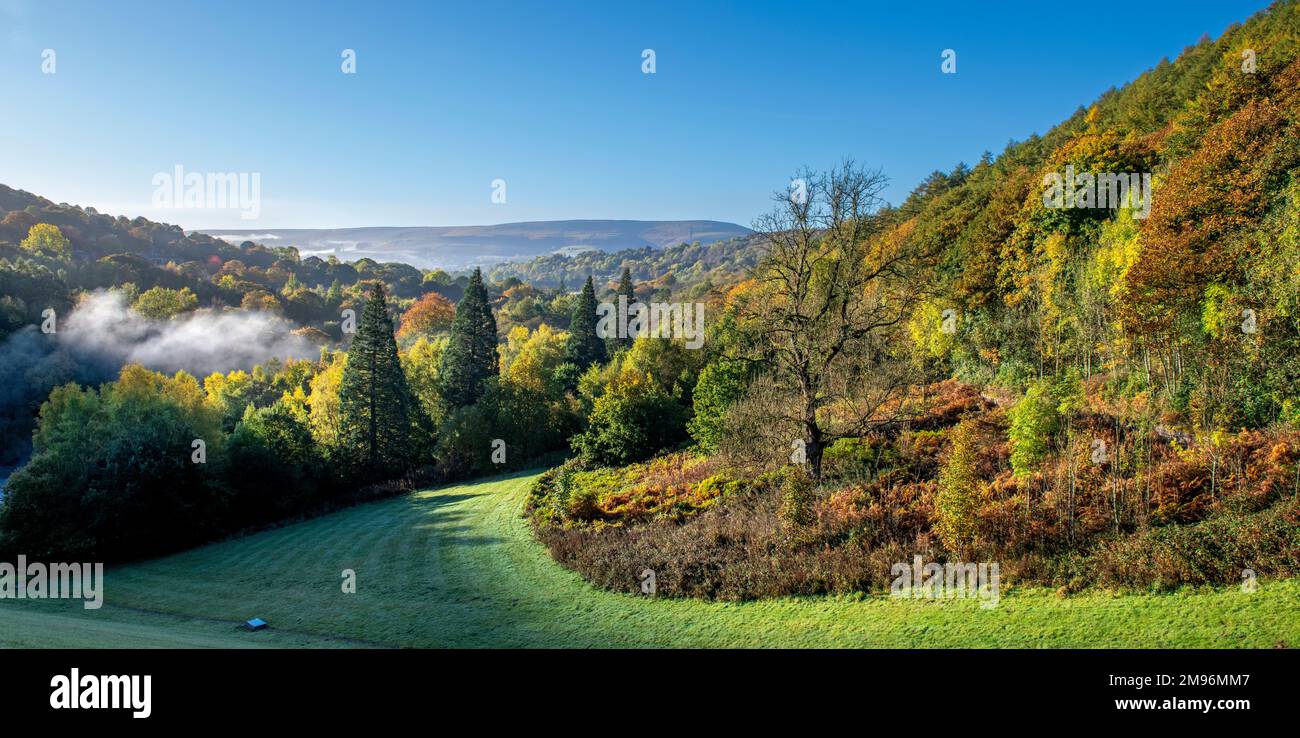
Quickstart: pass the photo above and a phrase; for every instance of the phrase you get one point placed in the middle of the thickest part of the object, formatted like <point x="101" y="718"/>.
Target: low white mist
<point x="199" y="342"/>
<point x="101" y="334"/>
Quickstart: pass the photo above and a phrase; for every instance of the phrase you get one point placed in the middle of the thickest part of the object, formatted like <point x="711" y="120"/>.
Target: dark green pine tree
<point x="625" y="290"/>
<point x="584" y="347"/>
<point x="375" y="403"/>
<point x="471" y="354"/>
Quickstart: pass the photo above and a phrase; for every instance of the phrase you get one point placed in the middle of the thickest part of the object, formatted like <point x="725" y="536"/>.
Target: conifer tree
<point x="375" y="403"/>
<point x="471" y="354"/>
<point x="585" y="347"/>
<point x="626" y="290"/>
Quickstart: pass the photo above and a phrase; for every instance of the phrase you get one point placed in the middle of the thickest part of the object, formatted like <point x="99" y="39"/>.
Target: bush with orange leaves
<point x="1146" y="513"/>
<point x="673" y="486"/>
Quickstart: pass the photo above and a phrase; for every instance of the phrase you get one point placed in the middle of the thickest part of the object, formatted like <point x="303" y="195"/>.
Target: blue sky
<point x="549" y="97"/>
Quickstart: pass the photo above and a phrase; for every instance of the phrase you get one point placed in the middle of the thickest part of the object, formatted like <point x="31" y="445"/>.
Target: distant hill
<point x="684" y="267"/>
<point x="460" y="247"/>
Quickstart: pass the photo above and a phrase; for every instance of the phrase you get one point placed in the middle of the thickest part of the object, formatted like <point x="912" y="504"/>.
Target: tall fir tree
<point x="626" y="291"/>
<point x="585" y="347"/>
<point x="375" y="402"/>
<point x="470" y="358"/>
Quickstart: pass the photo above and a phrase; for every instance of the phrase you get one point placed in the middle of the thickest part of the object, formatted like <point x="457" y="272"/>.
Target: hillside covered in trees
<point x="1092" y="391"/>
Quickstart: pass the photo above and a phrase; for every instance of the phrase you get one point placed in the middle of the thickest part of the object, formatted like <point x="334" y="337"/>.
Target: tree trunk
<point x="813" y="448"/>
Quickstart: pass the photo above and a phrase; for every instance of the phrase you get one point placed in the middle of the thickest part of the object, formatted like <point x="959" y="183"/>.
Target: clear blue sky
<point x="548" y="96"/>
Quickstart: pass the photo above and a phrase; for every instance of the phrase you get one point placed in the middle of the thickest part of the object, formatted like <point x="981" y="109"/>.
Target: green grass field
<point x="459" y="567"/>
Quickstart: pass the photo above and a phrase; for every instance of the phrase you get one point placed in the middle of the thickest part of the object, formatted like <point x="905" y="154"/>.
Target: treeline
<point x="150" y="463"/>
<point x="51" y="252"/>
<point x="688" y="270"/>
<point x="49" y="271"/>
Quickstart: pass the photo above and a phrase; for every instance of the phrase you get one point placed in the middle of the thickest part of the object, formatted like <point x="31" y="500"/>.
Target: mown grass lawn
<point x="459" y="567"/>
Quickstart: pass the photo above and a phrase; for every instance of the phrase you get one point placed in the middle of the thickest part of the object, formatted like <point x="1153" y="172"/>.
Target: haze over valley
<point x="463" y="247"/>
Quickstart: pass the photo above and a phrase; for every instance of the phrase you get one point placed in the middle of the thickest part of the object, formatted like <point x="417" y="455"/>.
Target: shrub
<point x="860" y="458"/>
<point x="1033" y="422"/>
<point x="1214" y="551"/>
<point x="956" y="505"/>
<point x="720" y="385"/>
<point x="675" y="486"/>
<point x="581" y="503"/>
<point x="797" y="499"/>
<point x="711" y="490"/>
<point x="633" y="420"/>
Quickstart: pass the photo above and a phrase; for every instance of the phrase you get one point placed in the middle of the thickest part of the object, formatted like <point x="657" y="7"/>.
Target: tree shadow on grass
<point x="429" y="508"/>
<point x="427" y="501"/>
<point x="431" y="513"/>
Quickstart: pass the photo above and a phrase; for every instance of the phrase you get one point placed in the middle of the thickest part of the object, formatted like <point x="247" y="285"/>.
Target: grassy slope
<point x="458" y="567"/>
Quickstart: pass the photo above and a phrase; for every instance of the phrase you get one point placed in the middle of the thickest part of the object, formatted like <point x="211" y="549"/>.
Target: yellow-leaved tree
<point x="45" y="239"/>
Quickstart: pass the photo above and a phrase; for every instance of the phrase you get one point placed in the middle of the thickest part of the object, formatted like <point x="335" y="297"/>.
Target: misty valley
<point x="1012" y="363"/>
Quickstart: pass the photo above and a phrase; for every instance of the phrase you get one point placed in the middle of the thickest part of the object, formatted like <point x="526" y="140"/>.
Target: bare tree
<point x="835" y="290"/>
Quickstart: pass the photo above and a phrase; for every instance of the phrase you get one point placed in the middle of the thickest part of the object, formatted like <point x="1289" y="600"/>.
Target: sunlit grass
<point x="459" y="567"/>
